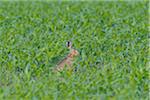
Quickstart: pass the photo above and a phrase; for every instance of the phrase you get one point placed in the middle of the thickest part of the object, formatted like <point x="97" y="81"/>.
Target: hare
<point x="68" y="60"/>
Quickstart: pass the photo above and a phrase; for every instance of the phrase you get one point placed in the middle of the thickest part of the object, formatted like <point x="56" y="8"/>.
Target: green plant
<point x="112" y="38"/>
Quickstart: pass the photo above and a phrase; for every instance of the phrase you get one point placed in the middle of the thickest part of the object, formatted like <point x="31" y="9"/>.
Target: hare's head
<point x="73" y="52"/>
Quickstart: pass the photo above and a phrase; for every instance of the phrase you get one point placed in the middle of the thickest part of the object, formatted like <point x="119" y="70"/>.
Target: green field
<point x="111" y="36"/>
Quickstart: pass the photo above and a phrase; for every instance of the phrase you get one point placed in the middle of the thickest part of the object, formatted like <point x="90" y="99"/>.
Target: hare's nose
<point x="77" y="52"/>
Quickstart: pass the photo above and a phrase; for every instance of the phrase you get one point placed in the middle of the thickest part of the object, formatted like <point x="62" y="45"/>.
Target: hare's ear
<point x="69" y="44"/>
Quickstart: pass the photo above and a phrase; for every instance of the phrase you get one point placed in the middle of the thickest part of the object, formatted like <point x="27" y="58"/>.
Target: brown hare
<point x="68" y="60"/>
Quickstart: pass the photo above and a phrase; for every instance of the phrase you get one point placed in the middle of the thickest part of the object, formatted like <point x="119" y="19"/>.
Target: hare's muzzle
<point x="75" y="53"/>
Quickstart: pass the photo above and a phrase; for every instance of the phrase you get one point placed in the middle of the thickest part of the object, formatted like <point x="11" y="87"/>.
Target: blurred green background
<point x="111" y="36"/>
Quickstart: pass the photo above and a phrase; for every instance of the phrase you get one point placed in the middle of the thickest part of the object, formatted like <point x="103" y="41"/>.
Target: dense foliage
<point x="112" y="38"/>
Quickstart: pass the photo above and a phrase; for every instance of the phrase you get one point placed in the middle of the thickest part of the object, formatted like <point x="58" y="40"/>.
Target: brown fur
<point x="67" y="61"/>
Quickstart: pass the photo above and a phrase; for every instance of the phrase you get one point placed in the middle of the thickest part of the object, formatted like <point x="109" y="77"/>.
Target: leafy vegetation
<point x="112" y="38"/>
